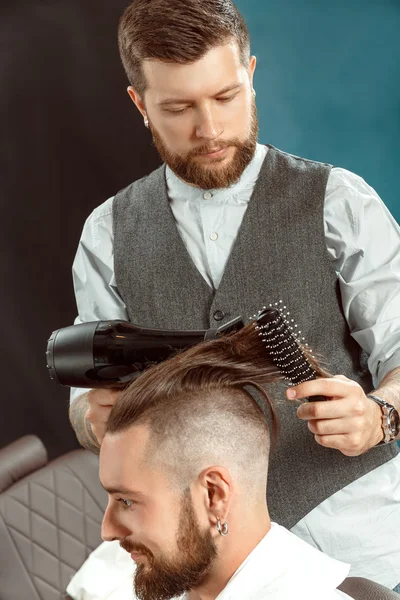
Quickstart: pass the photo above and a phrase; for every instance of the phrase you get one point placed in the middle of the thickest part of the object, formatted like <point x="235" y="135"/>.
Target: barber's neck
<point x="244" y="535"/>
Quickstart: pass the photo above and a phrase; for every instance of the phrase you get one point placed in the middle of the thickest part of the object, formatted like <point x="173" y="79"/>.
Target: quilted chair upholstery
<point x="50" y="516"/>
<point x="359" y="588"/>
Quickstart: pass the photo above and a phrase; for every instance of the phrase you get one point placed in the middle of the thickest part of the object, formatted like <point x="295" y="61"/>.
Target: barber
<point x="227" y="225"/>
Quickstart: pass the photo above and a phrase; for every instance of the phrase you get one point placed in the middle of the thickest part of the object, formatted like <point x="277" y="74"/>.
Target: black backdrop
<point x="70" y="138"/>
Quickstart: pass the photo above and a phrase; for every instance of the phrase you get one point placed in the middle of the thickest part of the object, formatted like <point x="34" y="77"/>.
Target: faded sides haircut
<point x="177" y="31"/>
<point x="199" y="410"/>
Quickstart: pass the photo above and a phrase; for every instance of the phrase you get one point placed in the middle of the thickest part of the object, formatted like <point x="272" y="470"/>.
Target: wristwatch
<point x="390" y="419"/>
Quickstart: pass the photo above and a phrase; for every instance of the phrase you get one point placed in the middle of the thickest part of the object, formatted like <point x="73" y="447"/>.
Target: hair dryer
<point x="111" y="353"/>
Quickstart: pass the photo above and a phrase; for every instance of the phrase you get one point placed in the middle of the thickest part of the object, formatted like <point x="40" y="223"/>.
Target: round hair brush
<point x="284" y="346"/>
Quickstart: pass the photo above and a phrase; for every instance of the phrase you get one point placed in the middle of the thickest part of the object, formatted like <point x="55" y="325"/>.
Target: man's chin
<point x="218" y="170"/>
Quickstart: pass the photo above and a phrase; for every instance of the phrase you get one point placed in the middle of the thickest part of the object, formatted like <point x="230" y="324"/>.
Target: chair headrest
<point x="20" y="458"/>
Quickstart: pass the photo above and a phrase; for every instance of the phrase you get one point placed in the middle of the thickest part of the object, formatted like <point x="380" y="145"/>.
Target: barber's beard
<point x="215" y="175"/>
<point x="162" y="578"/>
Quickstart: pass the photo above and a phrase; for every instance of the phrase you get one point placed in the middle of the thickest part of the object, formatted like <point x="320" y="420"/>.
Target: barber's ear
<point x="252" y="68"/>
<point x="137" y="100"/>
<point x="217" y="484"/>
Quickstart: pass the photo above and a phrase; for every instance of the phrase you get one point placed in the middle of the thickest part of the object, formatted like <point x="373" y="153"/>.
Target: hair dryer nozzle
<point x="70" y="353"/>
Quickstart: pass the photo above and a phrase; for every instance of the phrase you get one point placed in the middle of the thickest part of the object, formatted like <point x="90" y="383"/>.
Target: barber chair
<point x="50" y="519"/>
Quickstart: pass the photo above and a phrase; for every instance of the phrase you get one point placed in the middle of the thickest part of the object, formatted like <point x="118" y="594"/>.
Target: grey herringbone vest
<point x="279" y="254"/>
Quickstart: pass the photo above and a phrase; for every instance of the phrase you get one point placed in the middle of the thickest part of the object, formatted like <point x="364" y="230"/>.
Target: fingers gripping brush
<point x="284" y="347"/>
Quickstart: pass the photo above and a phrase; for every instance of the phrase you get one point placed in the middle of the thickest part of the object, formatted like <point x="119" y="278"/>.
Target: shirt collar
<point x="180" y="190"/>
<point x="283" y="567"/>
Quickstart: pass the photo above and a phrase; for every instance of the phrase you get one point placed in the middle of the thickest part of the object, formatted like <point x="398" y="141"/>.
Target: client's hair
<point x="199" y="410"/>
<point x="180" y="31"/>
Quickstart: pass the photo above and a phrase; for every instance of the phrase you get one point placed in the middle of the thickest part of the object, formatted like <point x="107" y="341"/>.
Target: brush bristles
<point x="284" y="345"/>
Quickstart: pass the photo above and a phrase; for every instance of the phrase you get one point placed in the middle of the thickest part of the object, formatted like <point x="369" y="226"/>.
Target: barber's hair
<point x="198" y="409"/>
<point x="179" y="31"/>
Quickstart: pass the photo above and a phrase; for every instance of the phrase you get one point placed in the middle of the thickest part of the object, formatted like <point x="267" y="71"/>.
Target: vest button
<point x="219" y="315"/>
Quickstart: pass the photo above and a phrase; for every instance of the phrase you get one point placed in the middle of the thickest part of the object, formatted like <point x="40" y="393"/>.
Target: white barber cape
<point x="281" y="567"/>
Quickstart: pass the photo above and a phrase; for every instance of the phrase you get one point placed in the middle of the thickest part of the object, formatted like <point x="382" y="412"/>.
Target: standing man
<point x="227" y="225"/>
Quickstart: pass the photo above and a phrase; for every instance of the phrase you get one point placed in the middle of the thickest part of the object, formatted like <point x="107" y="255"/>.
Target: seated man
<point x="184" y="461"/>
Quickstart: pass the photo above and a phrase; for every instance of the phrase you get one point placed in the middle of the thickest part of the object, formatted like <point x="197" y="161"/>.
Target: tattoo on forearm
<point x="81" y="426"/>
<point x="389" y="388"/>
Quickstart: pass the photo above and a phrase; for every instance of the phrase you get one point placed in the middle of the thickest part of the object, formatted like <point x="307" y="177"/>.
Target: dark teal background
<point x="328" y="83"/>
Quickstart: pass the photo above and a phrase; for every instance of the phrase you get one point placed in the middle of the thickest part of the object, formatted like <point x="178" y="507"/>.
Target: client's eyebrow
<point x="124" y="492"/>
<point x="226" y="89"/>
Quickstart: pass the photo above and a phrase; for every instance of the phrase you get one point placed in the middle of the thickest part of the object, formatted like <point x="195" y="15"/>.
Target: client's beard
<point x="207" y="177"/>
<point x="165" y="578"/>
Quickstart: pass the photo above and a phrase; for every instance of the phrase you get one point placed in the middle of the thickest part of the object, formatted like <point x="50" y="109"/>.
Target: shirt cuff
<point x="385" y="367"/>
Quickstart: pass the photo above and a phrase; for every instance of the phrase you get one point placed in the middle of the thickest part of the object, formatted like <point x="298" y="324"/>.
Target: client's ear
<point x="217" y="483"/>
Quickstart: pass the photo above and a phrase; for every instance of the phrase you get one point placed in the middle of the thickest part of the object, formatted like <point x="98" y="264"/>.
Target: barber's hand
<point x="100" y="403"/>
<point x="347" y="421"/>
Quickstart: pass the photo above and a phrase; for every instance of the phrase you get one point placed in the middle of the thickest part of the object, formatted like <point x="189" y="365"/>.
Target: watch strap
<point x="385" y="408"/>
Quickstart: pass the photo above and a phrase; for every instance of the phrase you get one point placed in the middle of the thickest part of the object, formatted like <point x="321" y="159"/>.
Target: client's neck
<point x="233" y="550"/>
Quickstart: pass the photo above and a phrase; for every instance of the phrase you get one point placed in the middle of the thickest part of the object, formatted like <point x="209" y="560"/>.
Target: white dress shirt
<point x="281" y="567"/>
<point x="363" y="241"/>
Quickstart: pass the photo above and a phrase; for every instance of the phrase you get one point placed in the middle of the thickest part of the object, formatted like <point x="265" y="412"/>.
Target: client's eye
<point x="125" y="502"/>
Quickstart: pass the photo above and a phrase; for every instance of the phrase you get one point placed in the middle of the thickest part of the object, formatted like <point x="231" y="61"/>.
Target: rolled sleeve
<point x="96" y="292"/>
<point x="363" y="241"/>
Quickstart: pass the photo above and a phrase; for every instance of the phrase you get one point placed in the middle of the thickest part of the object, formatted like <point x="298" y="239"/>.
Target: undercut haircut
<point x="177" y="31"/>
<point x="200" y="412"/>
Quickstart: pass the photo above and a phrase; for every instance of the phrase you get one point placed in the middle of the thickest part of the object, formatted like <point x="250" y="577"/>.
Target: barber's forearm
<point x="389" y="389"/>
<point x="81" y="426"/>
<point x="75" y="393"/>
